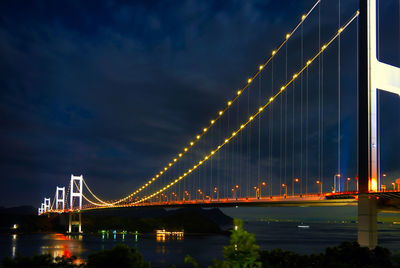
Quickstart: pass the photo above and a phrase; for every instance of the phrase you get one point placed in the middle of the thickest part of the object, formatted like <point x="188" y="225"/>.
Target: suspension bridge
<point x="280" y="140"/>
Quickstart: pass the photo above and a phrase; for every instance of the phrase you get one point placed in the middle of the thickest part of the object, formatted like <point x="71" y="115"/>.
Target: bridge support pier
<point x="367" y="221"/>
<point x="75" y="219"/>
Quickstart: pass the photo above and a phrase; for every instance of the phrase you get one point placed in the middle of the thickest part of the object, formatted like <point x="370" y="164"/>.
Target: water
<point x="269" y="235"/>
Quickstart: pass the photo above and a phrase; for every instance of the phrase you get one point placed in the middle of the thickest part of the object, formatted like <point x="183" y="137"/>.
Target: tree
<point x="242" y="251"/>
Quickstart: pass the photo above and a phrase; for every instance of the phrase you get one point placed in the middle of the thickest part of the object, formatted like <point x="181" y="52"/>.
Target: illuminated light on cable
<point x="251" y="118"/>
<point x="273" y="52"/>
<point x="229" y="103"/>
<point x="242" y="126"/>
<point x="157" y="176"/>
<point x="186" y="149"/>
<point x="303" y="17"/>
<point x="287" y="36"/>
<point x="221" y="112"/>
<point x="249" y="80"/>
<point x="233" y="134"/>
<point x="175" y="159"/>
<point x="261" y="67"/>
<point x="271" y="99"/>
<point x="309" y="62"/>
<point x="184" y="174"/>
<point x="340" y="30"/>
<point x="212" y="152"/>
<point x="205" y="129"/>
<point x="200" y="162"/>
<point x="282" y="88"/>
<point x="191" y="143"/>
<point x="153" y="179"/>
<point x="324" y="47"/>
<point x="165" y="168"/>
<point x="212" y="122"/>
<point x="206" y="157"/>
<point x="239" y="92"/>
<point x="161" y="172"/>
<point x="260" y="109"/>
<point x="226" y="140"/>
<point x="170" y="164"/>
<point x="180" y="155"/>
<point x="198" y="136"/>
<point x="190" y="170"/>
<point x="295" y="75"/>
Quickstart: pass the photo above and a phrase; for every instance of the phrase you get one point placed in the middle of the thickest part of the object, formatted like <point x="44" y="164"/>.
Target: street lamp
<point x="173" y="195"/>
<point x="347" y="184"/>
<point x="336" y="183"/>
<point x="285" y="186"/>
<point x="295" y="180"/>
<point x="201" y="194"/>
<point x="257" y="192"/>
<point x="320" y="184"/>
<point x="216" y="192"/>
<point x="187" y="194"/>
<point x="383" y="181"/>
<point x="236" y="189"/>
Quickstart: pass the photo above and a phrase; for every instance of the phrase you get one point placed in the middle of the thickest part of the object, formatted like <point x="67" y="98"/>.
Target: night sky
<point x="114" y="89"/>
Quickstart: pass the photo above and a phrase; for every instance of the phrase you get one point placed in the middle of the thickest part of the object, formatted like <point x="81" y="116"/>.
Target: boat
<point x="303" y="226"/>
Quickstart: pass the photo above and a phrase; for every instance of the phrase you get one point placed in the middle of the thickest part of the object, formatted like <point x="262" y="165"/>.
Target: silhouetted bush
<point x="346" y="255"/>
<point x="119" y="256"/>
<point x="39" y="261"/>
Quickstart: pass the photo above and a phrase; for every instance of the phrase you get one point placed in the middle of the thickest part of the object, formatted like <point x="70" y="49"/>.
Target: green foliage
<point x="242" y="250"/>
<point x="346" y="255"/>
<point x="39" y="261"/>
<point x="119" y="256"/>
<point x="190" y="260"/>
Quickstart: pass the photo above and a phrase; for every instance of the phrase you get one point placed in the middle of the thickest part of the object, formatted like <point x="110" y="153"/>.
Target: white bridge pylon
<point x="46" y="204"/>
<point x="60" y="198"/>
<point x="381" y="76"/>
<point x="76" y="190"/>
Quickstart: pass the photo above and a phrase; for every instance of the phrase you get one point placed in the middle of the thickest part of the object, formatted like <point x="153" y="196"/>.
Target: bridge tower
<point x="76" y="190"/>
<point x="75" y="218"/>
<point x="373" y="76"/>
<point x="60" y="198"/>
<point x="46" y="204"/>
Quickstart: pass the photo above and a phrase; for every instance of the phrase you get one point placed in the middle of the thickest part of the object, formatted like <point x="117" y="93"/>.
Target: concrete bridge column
<point x="74" y="219"/>
<point x="367" y="221"/>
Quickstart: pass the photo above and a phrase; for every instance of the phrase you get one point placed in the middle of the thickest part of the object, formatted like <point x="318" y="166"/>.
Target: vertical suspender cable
<point x="358" y="70"/>
<point x="307" y="131"/>
<point x="259" y="134"/>
<point x="271" y="125"/>
<point x="339" y="175"/>
<point x="301" y="112"/>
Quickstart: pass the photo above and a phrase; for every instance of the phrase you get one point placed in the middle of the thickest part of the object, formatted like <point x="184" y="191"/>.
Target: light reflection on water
<point x="164" y="251"/>
<point x="14" y="245"/>
<point x="58" y="245"/>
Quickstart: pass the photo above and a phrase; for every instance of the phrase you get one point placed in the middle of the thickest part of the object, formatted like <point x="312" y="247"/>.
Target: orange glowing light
<point x="373" y="185"/>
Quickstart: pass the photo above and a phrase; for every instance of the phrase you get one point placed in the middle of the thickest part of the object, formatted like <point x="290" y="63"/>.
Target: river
<point x="204" y="248"/>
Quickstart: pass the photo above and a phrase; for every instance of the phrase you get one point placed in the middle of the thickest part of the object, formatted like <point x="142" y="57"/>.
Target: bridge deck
<point x="387" y="200"/>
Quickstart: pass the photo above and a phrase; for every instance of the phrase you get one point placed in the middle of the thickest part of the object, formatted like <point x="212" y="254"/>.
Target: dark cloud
<point x="114" y="89"/>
